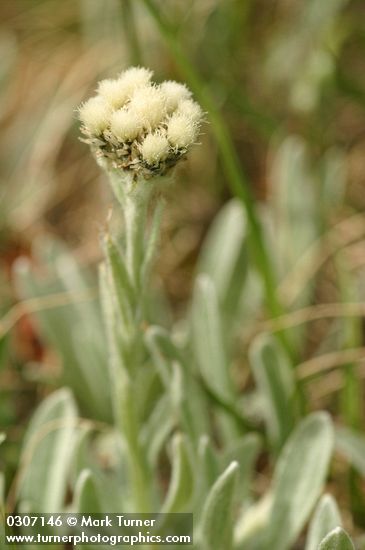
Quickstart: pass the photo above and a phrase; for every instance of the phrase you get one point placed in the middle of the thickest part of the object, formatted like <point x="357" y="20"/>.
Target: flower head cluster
<point x="136" y="125"/>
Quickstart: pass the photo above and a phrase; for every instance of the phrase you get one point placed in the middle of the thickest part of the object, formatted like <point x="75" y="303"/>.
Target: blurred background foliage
<point x="289" y="81"/>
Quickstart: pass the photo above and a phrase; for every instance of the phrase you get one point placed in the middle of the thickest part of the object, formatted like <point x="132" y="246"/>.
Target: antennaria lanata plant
<point x="174" y="391"/>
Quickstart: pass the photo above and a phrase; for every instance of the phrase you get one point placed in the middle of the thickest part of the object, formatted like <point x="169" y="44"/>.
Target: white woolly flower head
<point x="135" y="125"/>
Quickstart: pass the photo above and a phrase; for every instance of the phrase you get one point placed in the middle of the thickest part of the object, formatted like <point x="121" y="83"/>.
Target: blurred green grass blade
<point x="326" y="518"/>
<point x="130" y="30"/>
<point x="352" y="445"/>
<point x="208" y="339"/>
<point x="275" y="380"/>
<point x="231" y="163"/>
<point x="216" y="525"/>
<point x="182" y="480"/>
<point x="47" y="453"/>
<point x="298" y="479"/>
<point x="338" y="539"/>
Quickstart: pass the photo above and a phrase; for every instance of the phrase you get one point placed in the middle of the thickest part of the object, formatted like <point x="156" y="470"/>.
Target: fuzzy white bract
<point x="136" y="125"/>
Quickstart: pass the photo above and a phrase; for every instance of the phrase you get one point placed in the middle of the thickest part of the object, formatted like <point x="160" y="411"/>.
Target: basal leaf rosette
<point x="139" y="127"/>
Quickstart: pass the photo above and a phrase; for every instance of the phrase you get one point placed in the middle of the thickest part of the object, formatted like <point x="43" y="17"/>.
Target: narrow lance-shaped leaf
<point x="182" y="477"/>
<point x="326" y="518"/>
<point x="244" y="452"/>
<point x="274" y="378"/>
<point x="47" y="453"/>
<point x="224" y="255"/>
<point x="216" y="528"/>
<point x="338" y="539"/>
<point x="86" y="496"/>
<point x="208" y="340"/>
<point x="298" y="479"/>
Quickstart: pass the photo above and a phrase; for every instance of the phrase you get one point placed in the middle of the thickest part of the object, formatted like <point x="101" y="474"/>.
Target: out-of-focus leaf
<point x="224" y="256"/>
<point x="352" y="445"/>
<point x="170" y="363"/>
<point x="182" y="478"/>
<point x="208" y="340"/>
<point x="326" y="518"/>
<point x="156" y="431"/>
<point x="74" y="327"/>
<point x="86" y="498"/>
<point x="333" y="178"/>
<point x="274" y="378"/>
<point x="338" y="539"/>
<point x="298" y="479"/>
<point x="244" y="452"/>
<point x="216" y="526"/>
<point x="47" y="453"/>
<point x="295" y="208"/>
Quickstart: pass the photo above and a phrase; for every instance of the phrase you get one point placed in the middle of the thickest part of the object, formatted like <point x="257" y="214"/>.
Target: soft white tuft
<point x="150" y="104"/>
<point x="134" y="78"/>
<point x="191" y="110"/>
<point x="181" y="131"/>
<point x="154" y="148"/>
<point x="114" y="92"/>
<point x="95" y="115"/>
<point x="174" y="93"/>
<point x="125" y="124"/>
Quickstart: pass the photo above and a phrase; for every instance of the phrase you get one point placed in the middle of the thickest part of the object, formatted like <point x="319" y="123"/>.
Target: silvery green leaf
<point x="181" y="485"/>
<point x="169" y="361"/>
<point x="274" y="377"/>
<point x="153" y="238"/>
<point x="298" y="479"/>
<point x="2" y="437"/>
<point x="294" y="202"/>
<point x="71" y="304"/>
<point x="86" y="497"/>
<point x="158" y="427"/>
<point x="244" y="451"/>
<point x="208" y="469"/>
<point x="216" y="526"/>
<point x="352" y="445"/>
<point x="326" y="517"/>
<point x="47" y="453"/>
<point x="224" y="255"/>
<point x="120" y="278"/>
<point x="208" y="339"/>
<point x="163" y="351"/>
<point x="338" y="539"/>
